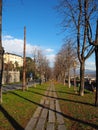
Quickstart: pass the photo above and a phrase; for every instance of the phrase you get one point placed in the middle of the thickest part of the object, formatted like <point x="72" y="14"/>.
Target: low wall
<point x="10" y="77"/>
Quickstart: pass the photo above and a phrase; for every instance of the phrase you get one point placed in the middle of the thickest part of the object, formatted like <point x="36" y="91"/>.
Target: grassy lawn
<point x="18" y="107"/>
<point x="79" y="112"/>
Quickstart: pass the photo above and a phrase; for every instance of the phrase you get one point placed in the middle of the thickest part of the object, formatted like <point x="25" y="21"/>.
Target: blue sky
<point x="38" y="16"/>
<point x="42" y="27"/>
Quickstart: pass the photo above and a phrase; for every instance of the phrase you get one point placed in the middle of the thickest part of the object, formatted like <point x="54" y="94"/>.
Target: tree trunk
<point x="0" y="95"/>
<point x="75" y="89"/>
<point x="69" y="78"/>
<point x="96" y="55"/>
<point x="64" y="79"/>
<point x="82" y="70"/>
<point x="96" y="97"/>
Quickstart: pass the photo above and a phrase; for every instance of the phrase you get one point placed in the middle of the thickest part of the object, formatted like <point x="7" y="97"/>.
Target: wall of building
<point x="10" y="77"/>
<point x="13" y="58"/>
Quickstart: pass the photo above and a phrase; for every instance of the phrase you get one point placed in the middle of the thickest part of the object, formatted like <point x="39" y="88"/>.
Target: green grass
<point x="79" y="112"/>
<point x="18" y="107"/>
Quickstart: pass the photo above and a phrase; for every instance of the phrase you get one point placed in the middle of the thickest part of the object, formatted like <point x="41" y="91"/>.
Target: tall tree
<point x="70" y="54"/>
<point x="42" y="65"/>
<point x="1" y="52"/>
<point x="60" y="67"/>
<point x="94" y="43"/>
<point x="76" y="15"/>
<point x="64" y="60"/>
<point x="30" y="64"/>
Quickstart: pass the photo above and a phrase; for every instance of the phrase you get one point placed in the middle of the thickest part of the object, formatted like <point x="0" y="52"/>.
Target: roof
<point x="12" y="54"/>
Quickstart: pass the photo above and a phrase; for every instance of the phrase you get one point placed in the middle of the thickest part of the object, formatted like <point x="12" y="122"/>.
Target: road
<point x="10" y="87"/>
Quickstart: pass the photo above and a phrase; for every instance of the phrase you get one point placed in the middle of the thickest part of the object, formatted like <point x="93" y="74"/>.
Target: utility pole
<point x="24" y="61"/>
<point x="1" y="52"/>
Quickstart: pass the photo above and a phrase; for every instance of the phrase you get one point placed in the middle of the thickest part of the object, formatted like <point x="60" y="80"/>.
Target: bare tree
<point x="60" y="67"/>
<point x="46" y="69"/>
<point x="76" y="16"/>
<point x="70" y="54"/>
<point x="42" y="66"/>
<point x="65" y="59"/>
<point x="34" y="59"/>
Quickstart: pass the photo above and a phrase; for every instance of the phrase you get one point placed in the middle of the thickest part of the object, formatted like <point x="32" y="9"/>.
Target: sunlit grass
<point x="80" y="112"/>
<point x="19" y="106"/>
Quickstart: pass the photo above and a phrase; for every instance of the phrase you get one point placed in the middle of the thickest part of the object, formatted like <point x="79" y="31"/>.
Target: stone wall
<point x="10" y="77"/>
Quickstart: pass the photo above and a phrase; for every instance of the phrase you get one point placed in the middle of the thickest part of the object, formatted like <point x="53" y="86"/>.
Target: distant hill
<point x="90" y="73"/>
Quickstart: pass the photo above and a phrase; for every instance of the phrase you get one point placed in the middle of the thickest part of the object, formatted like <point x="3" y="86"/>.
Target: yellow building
<point x="9" y="57"/>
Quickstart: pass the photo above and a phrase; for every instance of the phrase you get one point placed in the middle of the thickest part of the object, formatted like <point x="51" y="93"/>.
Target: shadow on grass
<point x="86" y="92"/>
<point x="68" y="100"/>
<point x="41" y="89"/>
<point x="84" y="103"/>
<point x="79" y="121"/>
<point x="67" y="93"/>
<point x="12" y="121"/>
<point x="56" y="91"/>
<point x="58" y="112"/>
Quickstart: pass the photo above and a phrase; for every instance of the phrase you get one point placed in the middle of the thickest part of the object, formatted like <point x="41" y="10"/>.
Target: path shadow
<point x="79" y="120"/>
<point x="64" y="99"/>
<point x="12" y="121"/>
<point x="38" y="104"/>
<point x="41" y="89"/>
<point x="74" y="101"/>
<point x="40" y="94"/>
<point x="58" y="112"/>
<point x="66" y="93"/>
<point x="56" y="91"/>
<point x="86" y="92"/>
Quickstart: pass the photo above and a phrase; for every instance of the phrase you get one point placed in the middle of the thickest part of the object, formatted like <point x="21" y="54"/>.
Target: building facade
<point x="11" y="75"/>
<point x="9" y="57"/>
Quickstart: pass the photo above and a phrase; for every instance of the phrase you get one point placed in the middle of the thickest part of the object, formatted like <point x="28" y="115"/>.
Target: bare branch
<point x="90" y="52"/>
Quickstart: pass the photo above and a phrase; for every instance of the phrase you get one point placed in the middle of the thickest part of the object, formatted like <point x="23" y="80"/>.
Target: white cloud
<point x="7" y="37"/>
<point x="15" y="46"/>
<point x="90" y="65"/>
<point x="12" y="45"/>
<point x="49" y="50"/>
<point x="51" y="59"/>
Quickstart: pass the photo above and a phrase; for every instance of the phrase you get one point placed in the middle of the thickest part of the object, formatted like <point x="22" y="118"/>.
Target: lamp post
<point x="1" y="52"/>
